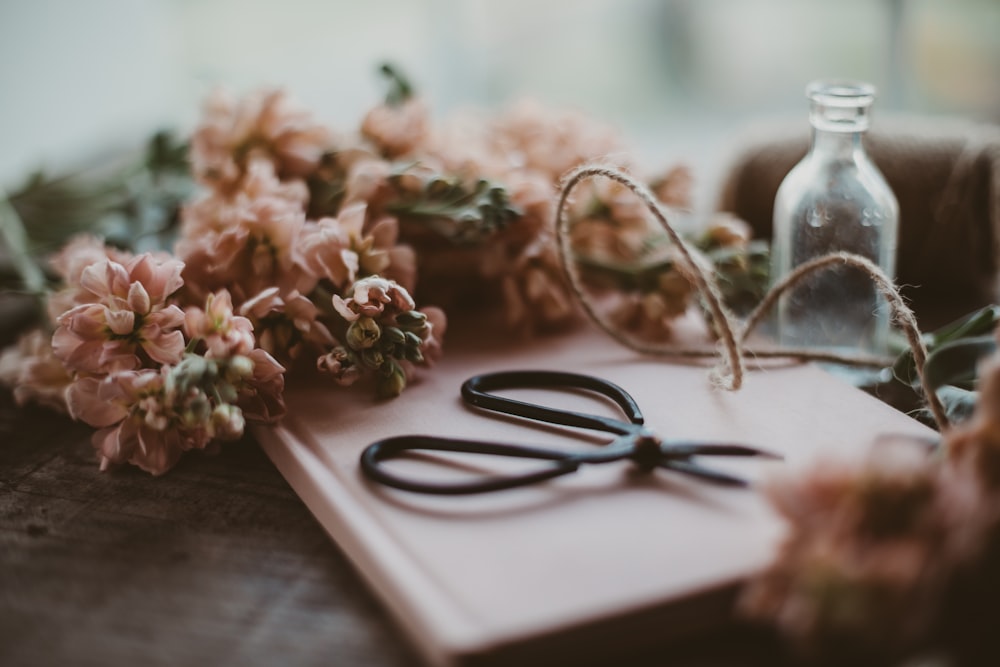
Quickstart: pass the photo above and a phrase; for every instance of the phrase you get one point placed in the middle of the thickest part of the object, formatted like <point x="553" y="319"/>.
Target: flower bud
<point x="413" y="340"/>
<point x="239" y="368"/>
<point x="363" y="333"/>
<point x="227" y="422"/>
<point x="394" y="335"/>
<point x="411" y="318"/>
<point x="391" y="385"/>
<point x="197" y="410"/>
<point x="190" y="372"/>
<point x="372" y="358"/>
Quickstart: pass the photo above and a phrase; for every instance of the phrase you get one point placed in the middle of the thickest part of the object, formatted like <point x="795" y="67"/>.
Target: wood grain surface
<point x="215" y="563"/>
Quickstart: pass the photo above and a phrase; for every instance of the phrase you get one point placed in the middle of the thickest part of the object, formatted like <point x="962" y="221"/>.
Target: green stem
<point x="16" y="239"/>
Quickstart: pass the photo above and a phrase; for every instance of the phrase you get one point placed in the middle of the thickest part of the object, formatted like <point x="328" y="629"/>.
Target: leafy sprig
<point x="463" y="214"/>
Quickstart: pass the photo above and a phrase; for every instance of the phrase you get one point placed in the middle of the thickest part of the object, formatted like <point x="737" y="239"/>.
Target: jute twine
<point x="732" y="349"/>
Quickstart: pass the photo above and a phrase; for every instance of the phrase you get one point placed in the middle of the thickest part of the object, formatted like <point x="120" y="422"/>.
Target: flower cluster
<point x="155" y="379"/>
<point x="896" y="556"/>
<point x="304" y="249"/>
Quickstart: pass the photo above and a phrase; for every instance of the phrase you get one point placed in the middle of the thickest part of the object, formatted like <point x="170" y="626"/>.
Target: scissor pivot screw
<point x="646" y="452"/>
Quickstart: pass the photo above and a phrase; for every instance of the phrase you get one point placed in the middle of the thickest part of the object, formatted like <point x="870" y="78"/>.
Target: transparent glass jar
<point x="835" y="199"/>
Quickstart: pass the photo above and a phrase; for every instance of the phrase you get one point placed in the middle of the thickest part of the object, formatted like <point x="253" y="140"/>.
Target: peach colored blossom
<point x="397" y="130"/>
<point x="727" y="230"/>
<point x="266" y="124"/>
<point x="464" y="146"/>
<point x="261" y="180"/>
<point x="650" y="315"/>
<point x="863" y="574"/>
<point x="536" y="295"/>
<point x="975" y="443"/>
<point x="597" y="239"/>
<point x="324" y="249"/>
<point x="261" y="398"/>
<point x="223" y="333"/>
<point x="338" y="364"/>
<point x="553" y="142"/>
<point x="130" y="322"/>
<point x="673" y="188"/>
<point x="34" y="373"/>
<point x="371" y="296"/>
<point x="134" y="419"/>
<point x="366" y="180"/>
<point x="149" y="418"/>
<point x="80" y="252"/>
<point x="285" y="324"/>
<point x="353" y="245"/>
<point x="243" y="244"/>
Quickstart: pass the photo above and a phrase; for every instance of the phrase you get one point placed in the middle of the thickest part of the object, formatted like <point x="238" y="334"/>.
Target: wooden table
<point x="216" y="563"/>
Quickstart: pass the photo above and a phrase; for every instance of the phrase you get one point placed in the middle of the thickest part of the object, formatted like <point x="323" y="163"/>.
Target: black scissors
<point x="633" y="441"/>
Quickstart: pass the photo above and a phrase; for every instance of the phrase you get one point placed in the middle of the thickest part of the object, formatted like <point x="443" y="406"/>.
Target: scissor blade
<point x="707" y="474"/>
<point x="687" y="450"/>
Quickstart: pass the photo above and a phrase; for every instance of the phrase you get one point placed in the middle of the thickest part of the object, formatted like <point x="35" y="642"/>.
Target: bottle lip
<point x="841" y="93"/>
<point x="840" y="105"/>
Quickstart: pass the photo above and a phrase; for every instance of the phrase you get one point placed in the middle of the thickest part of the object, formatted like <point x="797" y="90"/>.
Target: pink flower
<point x="69" y="263"/>
<point x="536" y="296"/>
<point x="244" y="243"/>
<point x="135" y="419"/>
<point x="366" y="180"/>
<point x="150" y="417"/>
<point x="34" y="373"/>
<point x="129" y="323"/>
<point x="650" y="314"/>
<point x="397" y="130"/>
<point x="727" y="231"/>
<point x="339" y="364"/>
<point x="224" y="333"/>
<point x="285" y="324"/>
<point x="325" y="251"/>
<point x="371" y="296"/>
<point x="553" y="142"/>
<point x="261" y="397"/>
<point x="673" y="188"/>
<point x="352" y="244"/>
<point x="80" y="252"/>
<point x="266" y="125"/>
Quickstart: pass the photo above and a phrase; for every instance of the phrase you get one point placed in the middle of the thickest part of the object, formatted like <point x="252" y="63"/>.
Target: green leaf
<point x="956" y="363"/>
<point x="400" y="88"/>
<point x="463" y="214"/>
<point x="15" y="239"/>
<point x="977" y="323"/>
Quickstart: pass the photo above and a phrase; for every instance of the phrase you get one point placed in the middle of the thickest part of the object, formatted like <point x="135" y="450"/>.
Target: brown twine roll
<point x="733" y="348"/>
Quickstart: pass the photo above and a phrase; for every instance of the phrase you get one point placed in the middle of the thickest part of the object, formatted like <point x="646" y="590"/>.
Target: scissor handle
<point x="375" y="454"/>
<point x="475" y="391"/>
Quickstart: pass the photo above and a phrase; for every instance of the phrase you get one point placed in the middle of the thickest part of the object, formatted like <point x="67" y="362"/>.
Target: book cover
<point x="586" y="564"/>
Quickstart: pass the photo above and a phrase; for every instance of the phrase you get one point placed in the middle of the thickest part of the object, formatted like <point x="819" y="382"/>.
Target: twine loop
<point x="732" y="350"/>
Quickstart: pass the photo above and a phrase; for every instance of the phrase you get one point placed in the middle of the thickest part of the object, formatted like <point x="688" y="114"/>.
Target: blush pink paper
<point x="585" y="565"/>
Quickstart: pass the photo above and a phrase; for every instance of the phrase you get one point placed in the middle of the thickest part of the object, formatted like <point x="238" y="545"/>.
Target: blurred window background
<point x="79" y="78"/>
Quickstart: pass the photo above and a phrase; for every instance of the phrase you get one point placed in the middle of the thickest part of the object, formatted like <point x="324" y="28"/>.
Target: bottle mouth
<point x="840" y="106"/>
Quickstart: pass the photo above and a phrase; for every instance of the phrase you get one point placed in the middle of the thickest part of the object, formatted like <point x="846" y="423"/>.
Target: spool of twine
<point x="732" y="348"/>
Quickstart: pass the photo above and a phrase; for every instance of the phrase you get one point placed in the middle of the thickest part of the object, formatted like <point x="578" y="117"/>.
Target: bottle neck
<point x="838" y="114"/>
<point x="836" y="144"/>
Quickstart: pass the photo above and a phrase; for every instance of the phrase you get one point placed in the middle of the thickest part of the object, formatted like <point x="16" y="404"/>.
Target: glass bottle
<point x="835" y="199"/>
